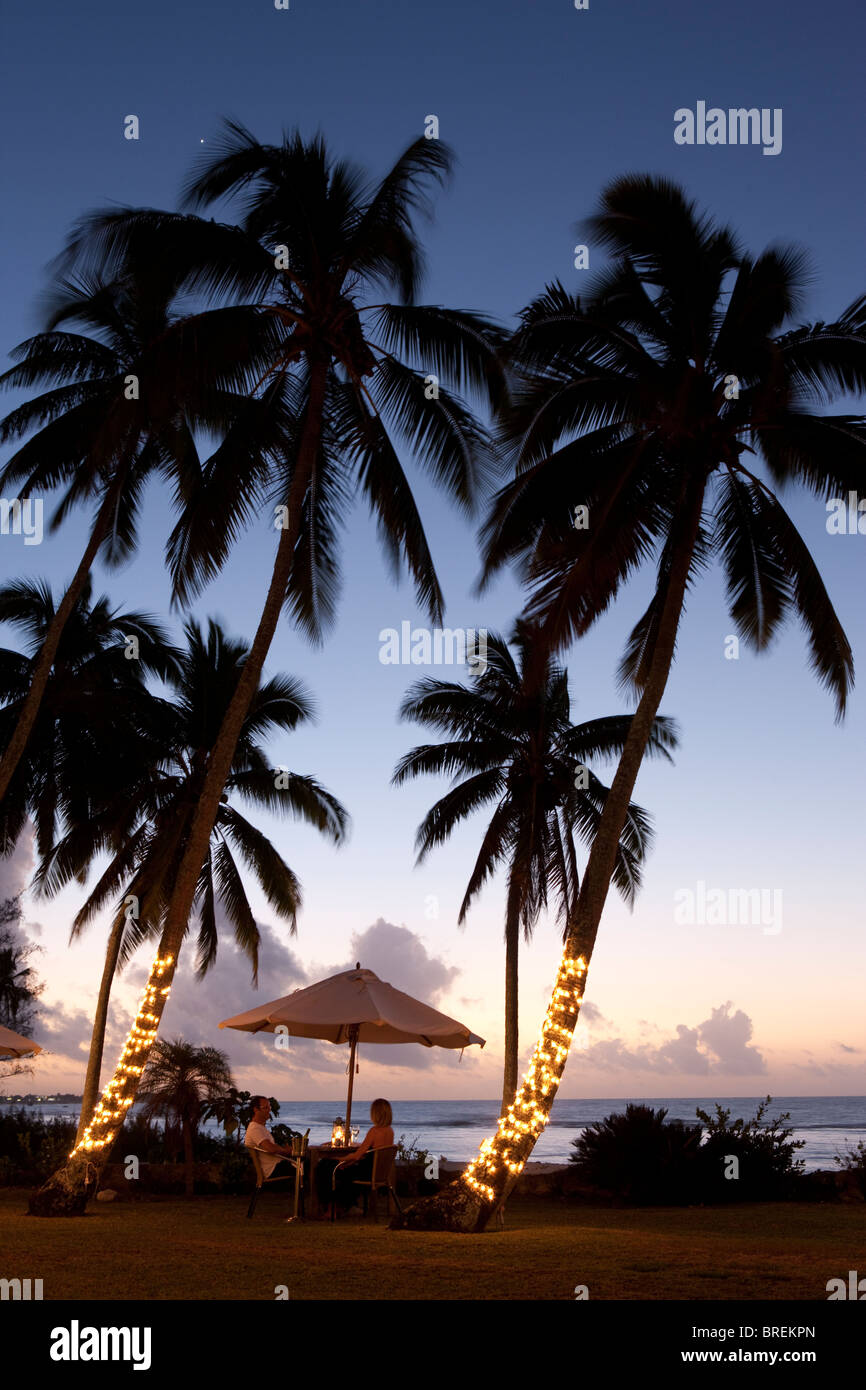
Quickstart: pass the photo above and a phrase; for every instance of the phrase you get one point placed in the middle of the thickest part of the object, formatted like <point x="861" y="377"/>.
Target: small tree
<point x="19" y="984"/>
<point x="853" y="1160"/>
<point x="763" y="1150"/>
<point x="234" y="1111"/>
<point x="177" y="1082"/>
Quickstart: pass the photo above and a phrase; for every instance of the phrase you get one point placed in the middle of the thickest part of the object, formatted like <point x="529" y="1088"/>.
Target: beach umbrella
<point x="13" y="1045"/>
<point x="355" y="1007"/>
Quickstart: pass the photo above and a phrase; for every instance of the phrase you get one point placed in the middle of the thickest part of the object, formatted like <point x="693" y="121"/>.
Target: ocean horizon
<point x="453" y="1129"/>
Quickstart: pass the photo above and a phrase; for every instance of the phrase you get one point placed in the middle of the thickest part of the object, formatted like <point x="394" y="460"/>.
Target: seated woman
<point x="359" y="1167"/>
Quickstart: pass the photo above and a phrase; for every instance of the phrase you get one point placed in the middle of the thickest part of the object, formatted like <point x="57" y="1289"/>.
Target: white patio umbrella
<point x="13" y="1045"/>
<point x="355" y="1006"/>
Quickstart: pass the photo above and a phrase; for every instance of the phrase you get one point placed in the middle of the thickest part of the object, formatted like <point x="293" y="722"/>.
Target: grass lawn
<point x="171" y="1248"/>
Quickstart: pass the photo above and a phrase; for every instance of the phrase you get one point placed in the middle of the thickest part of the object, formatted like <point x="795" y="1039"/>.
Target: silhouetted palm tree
<point x="19" y="985"/>
<point x="641" y="403"/>
<point x="178" y="1081"/>
<point x="95" y="712"/>
<point x="109" y="419"/>
<point x="512" y="745"/>
<point x="138" y="879"/>
<point x="316" y="246"/>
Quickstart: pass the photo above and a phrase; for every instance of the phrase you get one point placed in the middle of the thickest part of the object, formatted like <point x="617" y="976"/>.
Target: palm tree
<point x="108" y="420"/>
<point x="19" y="986"/>
<point x="643" y="403"/>
<point x="95" y="711"/>
<point x="512" y="745"/>
<point x="178" y="1082"/>
<point x="315" y="245"/>
<point x="138" y="879"/>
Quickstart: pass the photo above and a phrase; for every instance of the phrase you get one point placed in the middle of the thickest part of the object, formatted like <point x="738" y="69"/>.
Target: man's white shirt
<point x="254" y="1138"/>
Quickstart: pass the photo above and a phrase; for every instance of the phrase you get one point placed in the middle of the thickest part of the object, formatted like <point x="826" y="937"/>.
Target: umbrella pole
<point x="353" y="1034"/>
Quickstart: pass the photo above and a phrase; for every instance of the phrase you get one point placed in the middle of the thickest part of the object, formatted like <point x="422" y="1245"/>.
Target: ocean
<point x="453" y="1129"/>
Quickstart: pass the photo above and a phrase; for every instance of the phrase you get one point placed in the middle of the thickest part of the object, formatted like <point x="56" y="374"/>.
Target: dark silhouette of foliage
<point x="639" y="1156"/>
<point x="764" y="1150"/>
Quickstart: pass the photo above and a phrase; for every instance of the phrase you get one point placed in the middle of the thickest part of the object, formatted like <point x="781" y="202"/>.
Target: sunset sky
<point x="766" y="793"/>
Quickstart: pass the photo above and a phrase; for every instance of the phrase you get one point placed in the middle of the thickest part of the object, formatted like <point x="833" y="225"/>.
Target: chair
<point x="382" y="1175"/>
<point x="297" y="1161"/>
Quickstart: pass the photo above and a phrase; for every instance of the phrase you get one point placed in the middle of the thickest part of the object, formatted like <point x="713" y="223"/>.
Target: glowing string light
<point x="525" y="1116"/>
<point x="111" y="1110"/>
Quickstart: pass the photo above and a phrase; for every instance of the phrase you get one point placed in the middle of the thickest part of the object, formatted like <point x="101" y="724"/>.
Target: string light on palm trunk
<point x="526" y="1117"/>
<point x="120" y="1091"/>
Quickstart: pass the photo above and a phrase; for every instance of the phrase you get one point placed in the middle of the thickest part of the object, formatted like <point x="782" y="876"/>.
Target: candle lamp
<point x="338" y="1133"/>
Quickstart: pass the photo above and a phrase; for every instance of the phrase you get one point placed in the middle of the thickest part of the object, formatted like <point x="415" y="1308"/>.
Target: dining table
<point x="316" y="1153"/>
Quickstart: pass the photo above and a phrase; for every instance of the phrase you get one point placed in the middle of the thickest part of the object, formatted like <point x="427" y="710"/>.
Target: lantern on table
<point x="338" y="1133"/>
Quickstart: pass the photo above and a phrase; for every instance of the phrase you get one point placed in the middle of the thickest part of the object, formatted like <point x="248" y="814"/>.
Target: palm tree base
<point x="455" y="1208"/>
<point x="66" y="1193"/>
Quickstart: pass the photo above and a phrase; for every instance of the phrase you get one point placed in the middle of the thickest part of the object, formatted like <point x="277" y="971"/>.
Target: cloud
<point x="591" y="1013"/>
<point x="17" y="867"/>
<point x="400" y="957"/>
<point x="719" y="1045"/>
<point x="846" y="1048"/>
<point x="66" y="1033"/>
<point x="726" y="1036"/>
<point x="683" y="1054"/>
<point x="195" y="1006"/>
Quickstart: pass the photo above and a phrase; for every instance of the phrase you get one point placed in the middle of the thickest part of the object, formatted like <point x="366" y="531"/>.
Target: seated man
<point x="257" y="1137"/>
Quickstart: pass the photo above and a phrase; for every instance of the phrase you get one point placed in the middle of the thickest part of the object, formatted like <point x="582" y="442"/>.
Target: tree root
<point x="66" y="1193"/>
<point x="453" y="1209"/>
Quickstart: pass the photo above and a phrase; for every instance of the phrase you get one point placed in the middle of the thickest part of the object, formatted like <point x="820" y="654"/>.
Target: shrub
<point x="639" y="1156"/>
<point x="765" y="1153"/>
<point x="140" y="1136"/>
<point x="853" y="1160"/>
<point x="31" y="1147"/>
<point x="236" y="1172"/>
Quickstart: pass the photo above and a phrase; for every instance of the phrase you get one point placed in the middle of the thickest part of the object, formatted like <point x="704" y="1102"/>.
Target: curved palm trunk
<point x="14" y="749"/>
<point x="188" y="1160"/>
<point x="68" y="1190"/>
<point x="97" y="1037"/>
<point x="512" y="944"/>
<point x="468" y="1203"/>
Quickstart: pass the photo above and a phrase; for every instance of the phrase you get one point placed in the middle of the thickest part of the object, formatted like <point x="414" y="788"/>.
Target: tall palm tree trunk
<point x="67" y="1191"/>
<point x="14" y="750"/>
<point x="97" y="1037"/>
<point x="483" y="1188"/>
<point x="512" y="945"/>
<point x="188" y="1159"/>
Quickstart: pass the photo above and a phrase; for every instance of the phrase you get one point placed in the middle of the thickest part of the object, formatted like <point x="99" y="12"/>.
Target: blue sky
<point x="543" y="104"/>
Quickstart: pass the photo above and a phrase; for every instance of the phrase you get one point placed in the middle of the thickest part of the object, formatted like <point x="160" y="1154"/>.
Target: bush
<point x="765" y="1154"/>
<point x="642" y="1157"/>
<point x="140" y="1136"/>
<point x="236" y="1172"/>
<point x="31" y="1147"/>
<point x="853" y="1160"/>
<point x="639" y="1156"/>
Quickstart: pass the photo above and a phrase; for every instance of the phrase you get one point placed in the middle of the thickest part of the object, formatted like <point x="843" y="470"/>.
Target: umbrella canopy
<point x="13" y="1045"/>
<point x="334" y="1008"/>
<point x="355" y="1006"/>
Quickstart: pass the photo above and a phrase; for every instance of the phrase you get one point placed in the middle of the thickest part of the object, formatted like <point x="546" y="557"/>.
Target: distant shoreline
<point x="62" y="1098"/>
